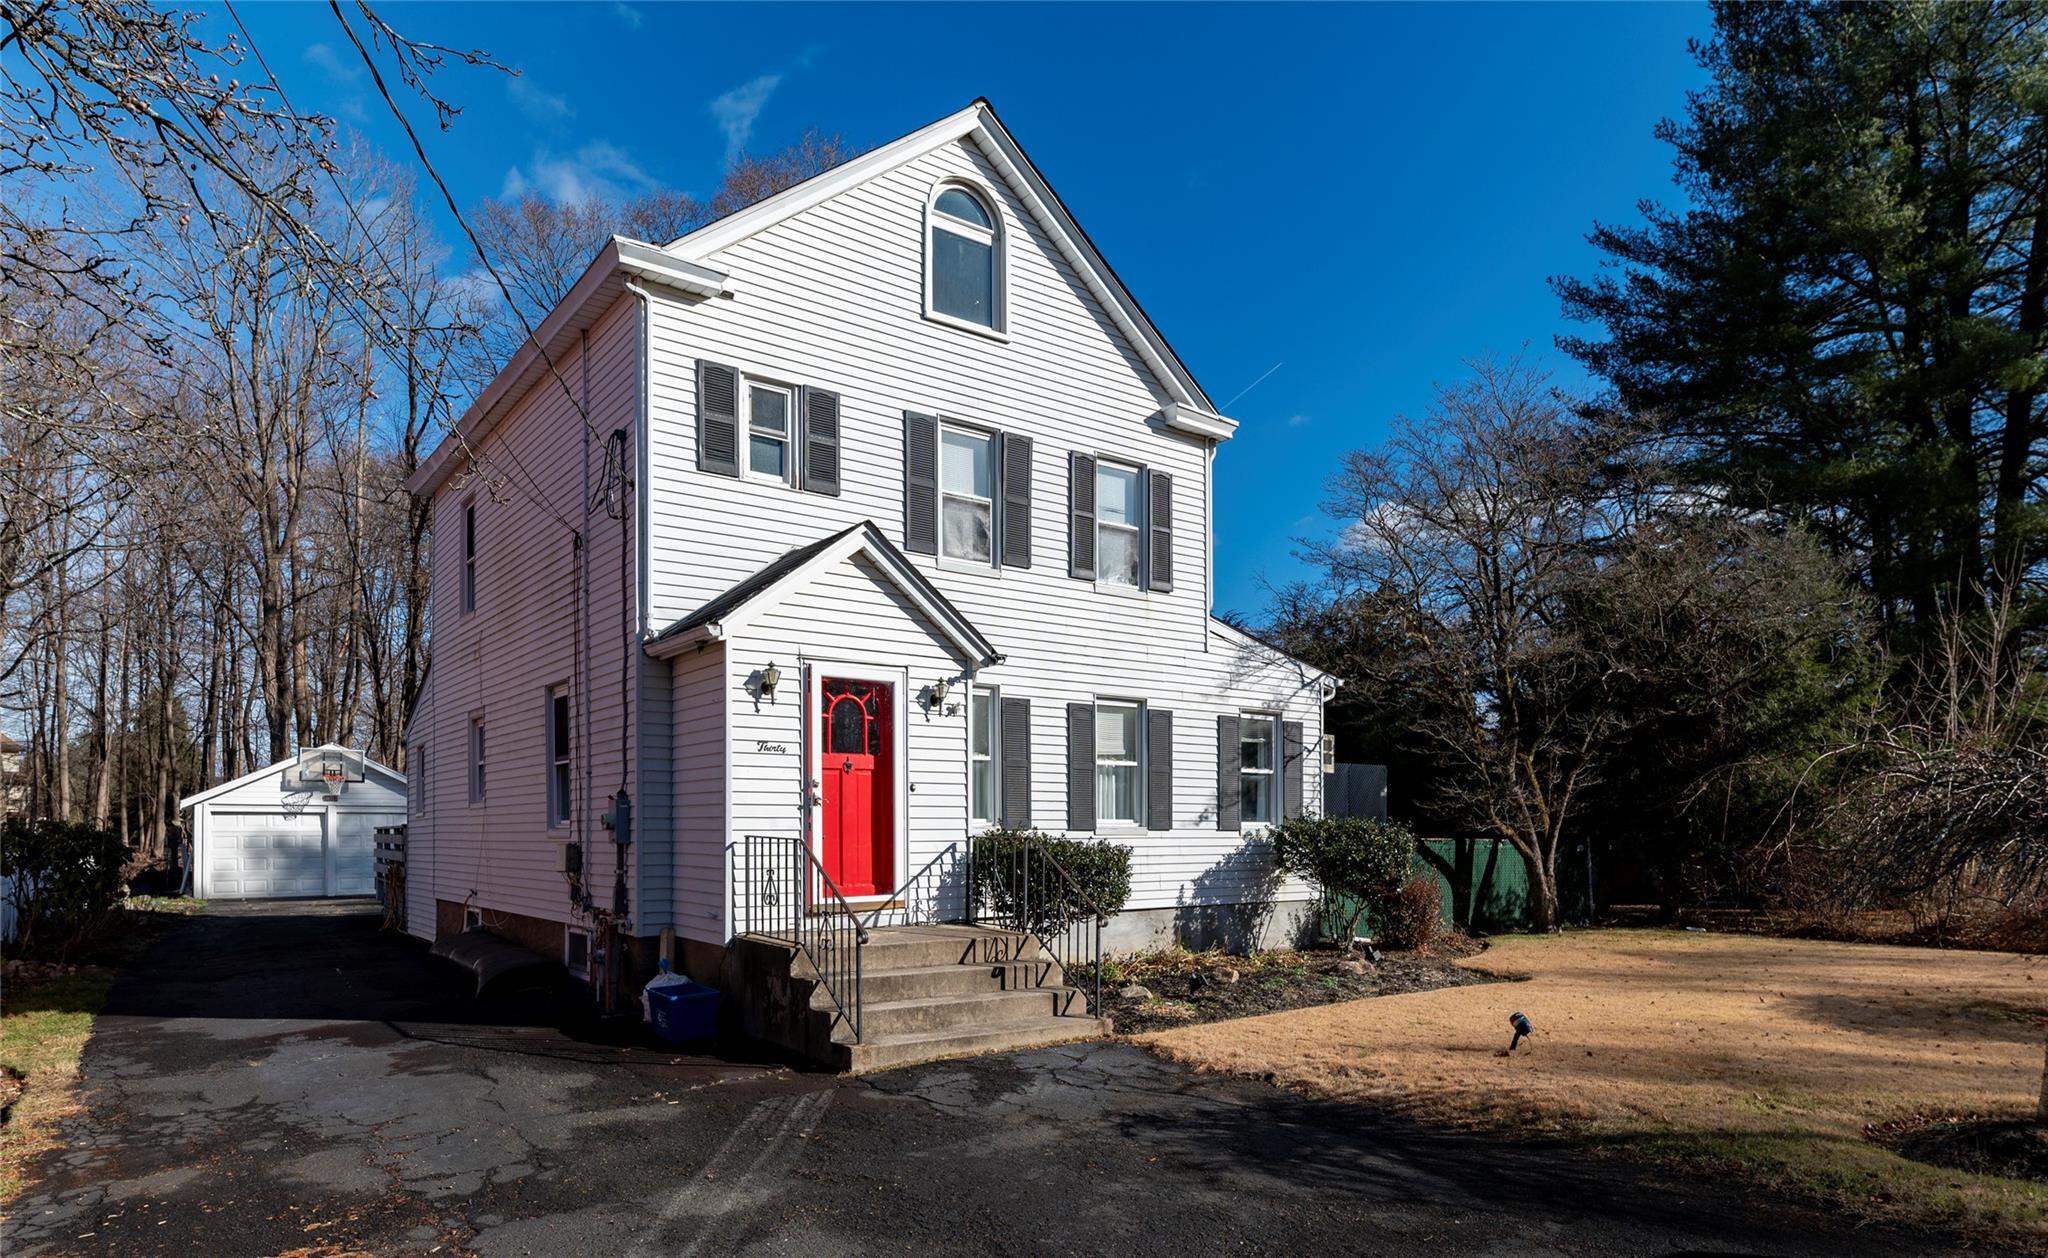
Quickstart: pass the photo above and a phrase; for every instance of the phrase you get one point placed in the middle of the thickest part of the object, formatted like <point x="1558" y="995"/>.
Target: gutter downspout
<point x="642" y="568"/>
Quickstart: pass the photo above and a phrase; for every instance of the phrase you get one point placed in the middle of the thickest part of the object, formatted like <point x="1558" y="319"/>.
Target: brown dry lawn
<point x="1768" y="1056"/>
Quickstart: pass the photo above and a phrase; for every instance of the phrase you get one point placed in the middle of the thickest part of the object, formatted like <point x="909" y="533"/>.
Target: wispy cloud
<point x="534" y="101"/>
<point x="1296" y="421"/>
<point x="348" y="74"/>
<point x="596" y="170"/>
<point x="629" y="15"/>
<point x="736" y="111"/>
<point x="321" y="57"/>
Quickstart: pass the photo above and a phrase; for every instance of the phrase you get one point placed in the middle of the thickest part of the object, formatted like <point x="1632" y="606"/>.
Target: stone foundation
<point x="1232" y="927"/>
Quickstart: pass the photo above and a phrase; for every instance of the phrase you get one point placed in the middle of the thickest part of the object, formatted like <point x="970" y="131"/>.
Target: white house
<point x="867" y="517"/>
<point x="283" y="831"/>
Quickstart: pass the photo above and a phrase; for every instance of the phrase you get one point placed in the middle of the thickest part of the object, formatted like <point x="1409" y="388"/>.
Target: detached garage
<point x="302" y="827"/>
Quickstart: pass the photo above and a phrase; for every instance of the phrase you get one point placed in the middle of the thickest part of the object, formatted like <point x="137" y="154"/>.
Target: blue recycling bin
<point x="684" y="1012"/>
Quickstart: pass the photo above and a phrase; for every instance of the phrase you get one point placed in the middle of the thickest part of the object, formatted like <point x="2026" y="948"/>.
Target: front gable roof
<point x="737" y="606"/>
<point x="1189" y="409"/>
<point x="686" y="267"/>
<point x="214" y="792"/>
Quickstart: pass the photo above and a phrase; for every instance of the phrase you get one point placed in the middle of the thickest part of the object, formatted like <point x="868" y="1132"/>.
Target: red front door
<point x="859" y="785"/>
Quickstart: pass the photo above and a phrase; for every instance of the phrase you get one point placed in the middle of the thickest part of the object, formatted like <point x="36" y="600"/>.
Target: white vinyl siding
<point x="832" y="296"/>
<point x="523" y="638"/>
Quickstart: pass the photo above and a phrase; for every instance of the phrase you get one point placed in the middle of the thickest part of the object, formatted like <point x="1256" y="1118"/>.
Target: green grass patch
<point x="42" y="1035"/>
<point x="44" y="1027"/>
<point x="1849" y="1173"/>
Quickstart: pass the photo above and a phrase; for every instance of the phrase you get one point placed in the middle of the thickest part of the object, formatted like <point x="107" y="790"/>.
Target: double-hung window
<point x="559" y="775"/>
<point x="769" y="408"/>
<point x="1119" y="763"/>
<point x="476" y="759"/>
<point x="1117" y="524"/>
<point x="985" y="789"/>
<point x="967" y="490"/>
<point x="469" y="556"/>
<point x="1258" y="759"/>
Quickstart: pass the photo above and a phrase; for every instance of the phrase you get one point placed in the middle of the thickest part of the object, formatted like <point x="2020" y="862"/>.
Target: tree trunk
<point x="1543" y="914"/>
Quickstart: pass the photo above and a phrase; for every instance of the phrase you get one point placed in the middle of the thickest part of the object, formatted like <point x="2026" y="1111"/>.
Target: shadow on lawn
<point x="1385" y="1159"/>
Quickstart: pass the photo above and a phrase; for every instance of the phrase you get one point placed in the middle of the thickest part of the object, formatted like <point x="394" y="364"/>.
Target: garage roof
<point x="214" y="792"/>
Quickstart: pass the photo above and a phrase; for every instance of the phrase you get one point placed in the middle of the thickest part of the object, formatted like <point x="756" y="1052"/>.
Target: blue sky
<point x="1365" y="195"/>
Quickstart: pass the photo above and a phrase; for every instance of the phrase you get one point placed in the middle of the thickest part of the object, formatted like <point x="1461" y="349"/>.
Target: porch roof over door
<point x="732" y="609"/>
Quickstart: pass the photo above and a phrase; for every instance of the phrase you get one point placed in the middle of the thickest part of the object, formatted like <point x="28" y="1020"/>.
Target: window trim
<point x="1137" y="530"/>
<point x="994" y="440"/>
<point x="749" y="383"/>
<point x="561" y="784"/>
<point x="934" y="219"/>
<point x="467" y="602"/>
<point x="1139" y="764"/>
<point x="1271" y="720"/>
<point x="986" y="703"/>
<point x="479" y="763"/>
<point x="568" y="953"/>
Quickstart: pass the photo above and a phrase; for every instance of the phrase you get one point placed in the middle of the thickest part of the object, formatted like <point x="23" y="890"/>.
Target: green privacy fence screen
<point x="1484" y="885"/>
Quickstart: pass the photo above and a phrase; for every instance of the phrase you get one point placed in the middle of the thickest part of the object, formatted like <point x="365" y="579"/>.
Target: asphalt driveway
<point x="282" y="1078"/>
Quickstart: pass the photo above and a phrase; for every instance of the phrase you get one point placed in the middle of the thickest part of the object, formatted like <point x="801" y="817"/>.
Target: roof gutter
<point x="1193" y="419"/>
<point x="648" y="262"/>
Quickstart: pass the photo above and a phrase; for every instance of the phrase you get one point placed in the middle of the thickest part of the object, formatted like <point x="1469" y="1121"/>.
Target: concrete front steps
<point x="927" y="993"/>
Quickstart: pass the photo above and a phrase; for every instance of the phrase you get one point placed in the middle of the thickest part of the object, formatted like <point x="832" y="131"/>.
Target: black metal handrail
<point x="1018" y="886"/>
<point x="782" y="892"/>
<point x="919" y="900"/>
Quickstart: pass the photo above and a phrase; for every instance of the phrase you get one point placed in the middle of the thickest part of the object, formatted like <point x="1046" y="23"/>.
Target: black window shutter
<point x="718" y="418"/>
<point x="920" y="483"/>
<point x="1081" y="515"/>
<point x="1158" y="769"/>
<point x="1229" y="803"/>
<point x="1016" y="734"/>
<point x="820" y="442"/>
<point x="1293" y="770"/>
<point x="1159" y="530"/>
<point x="1081" y="766"/>
<point x="1016" y="528"/>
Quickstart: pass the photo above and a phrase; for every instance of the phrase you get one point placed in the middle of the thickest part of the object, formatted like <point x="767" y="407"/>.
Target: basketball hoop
<point x="330" y="768"/>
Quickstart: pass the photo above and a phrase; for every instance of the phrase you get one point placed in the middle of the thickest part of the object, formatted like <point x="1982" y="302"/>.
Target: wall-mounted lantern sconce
<point x="938" y="692"/>
<point x="771" y="677"/>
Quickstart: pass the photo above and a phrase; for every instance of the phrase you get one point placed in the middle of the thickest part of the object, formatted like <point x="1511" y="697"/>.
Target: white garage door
<point x="355" y="850"/>
<point x="265" y="854"/>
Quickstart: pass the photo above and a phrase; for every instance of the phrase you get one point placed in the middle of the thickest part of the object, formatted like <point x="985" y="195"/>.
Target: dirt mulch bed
<point x="1189" y="988"/>
<point x="2014" y="1148"/>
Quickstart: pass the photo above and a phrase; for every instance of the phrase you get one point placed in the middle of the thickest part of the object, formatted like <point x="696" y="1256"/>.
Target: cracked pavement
<point x="282" y="1078"/>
